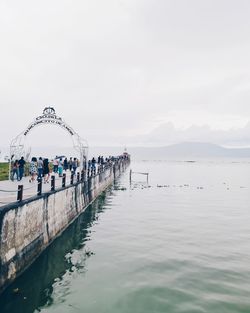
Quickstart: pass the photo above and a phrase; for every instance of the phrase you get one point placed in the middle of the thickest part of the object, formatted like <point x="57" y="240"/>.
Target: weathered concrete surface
<point x="27" y="228"/>
<point x="29" y="189"/>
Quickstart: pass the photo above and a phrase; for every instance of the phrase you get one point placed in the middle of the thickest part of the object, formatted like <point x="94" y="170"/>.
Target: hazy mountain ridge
<point x="189" y="150"/>
<point x="183" y="151"/>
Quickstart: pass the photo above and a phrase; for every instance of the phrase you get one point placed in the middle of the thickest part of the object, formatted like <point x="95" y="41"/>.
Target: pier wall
<point x="29" y="226"/>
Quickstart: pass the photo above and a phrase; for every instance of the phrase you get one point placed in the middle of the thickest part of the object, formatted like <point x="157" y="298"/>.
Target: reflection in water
<point x="33" y="289"/>
<point x="180" y="244"/>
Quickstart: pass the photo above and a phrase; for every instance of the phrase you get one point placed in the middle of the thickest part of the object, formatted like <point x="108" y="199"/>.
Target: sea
<point x="177" y="243"/>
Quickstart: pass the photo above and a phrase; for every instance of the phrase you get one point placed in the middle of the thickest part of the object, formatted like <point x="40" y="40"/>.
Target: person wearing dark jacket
<point x="46" y="170"/>
<point x="65" y="164"/>
<point x="21" y="163"/>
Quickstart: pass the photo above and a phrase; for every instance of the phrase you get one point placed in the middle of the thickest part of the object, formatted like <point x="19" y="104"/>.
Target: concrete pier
<point x="29" y="226"/>
<point x="8" y="188"/>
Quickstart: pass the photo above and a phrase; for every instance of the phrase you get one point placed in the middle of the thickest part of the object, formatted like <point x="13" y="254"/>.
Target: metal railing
<point x="74" y="178"/>
<point x="79" y="177"/>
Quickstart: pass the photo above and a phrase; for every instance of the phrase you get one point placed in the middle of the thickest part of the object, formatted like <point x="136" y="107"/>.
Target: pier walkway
<point x="8" y="188"/>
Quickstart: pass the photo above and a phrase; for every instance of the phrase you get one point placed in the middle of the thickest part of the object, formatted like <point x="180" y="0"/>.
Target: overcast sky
<point x="124" y="72"/>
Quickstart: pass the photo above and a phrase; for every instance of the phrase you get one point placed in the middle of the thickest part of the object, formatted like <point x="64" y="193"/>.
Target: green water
<point x="181" y="244"/>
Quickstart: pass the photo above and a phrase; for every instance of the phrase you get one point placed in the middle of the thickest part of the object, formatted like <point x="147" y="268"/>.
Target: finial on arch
<point x="49" y="110"/>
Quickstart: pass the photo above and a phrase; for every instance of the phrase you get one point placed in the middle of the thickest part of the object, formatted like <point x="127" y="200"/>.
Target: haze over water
<point x="179" y="244"/>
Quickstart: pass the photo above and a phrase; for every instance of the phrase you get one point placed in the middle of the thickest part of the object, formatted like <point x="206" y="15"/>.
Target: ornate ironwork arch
<point x="17" y="146"/>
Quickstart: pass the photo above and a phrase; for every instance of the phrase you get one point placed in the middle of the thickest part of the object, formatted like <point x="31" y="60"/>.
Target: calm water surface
<point x="179" y="244"/>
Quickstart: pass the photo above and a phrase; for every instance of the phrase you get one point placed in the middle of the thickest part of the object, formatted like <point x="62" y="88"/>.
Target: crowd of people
<point x="41" y="168"/>
<point x="100" y="163"/>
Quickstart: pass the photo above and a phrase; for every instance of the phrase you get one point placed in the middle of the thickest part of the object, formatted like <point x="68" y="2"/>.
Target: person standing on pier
<point x="21" y="163"/>
<point x="15" y="171"/>
<point x="40" y="168"/>
<point x="46" y="171"/>
<point x="70" y="164"/>
<point x="74" y="165"/>
<point x="55" y="165"/>
<point x="93" y="165"/>
<point x="33" y="169"/>
<point x="65" y="164"/>
<point x="60" y="167"/>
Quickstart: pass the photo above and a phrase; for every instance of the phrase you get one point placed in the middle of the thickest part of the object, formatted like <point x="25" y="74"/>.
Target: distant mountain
<point x="189" y="150"/>
<point x="186" y="151"/>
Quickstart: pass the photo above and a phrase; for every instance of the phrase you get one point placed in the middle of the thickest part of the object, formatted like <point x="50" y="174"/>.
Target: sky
<point x="127" y="72"/>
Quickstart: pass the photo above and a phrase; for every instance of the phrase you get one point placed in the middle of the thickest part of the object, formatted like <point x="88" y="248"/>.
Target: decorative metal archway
<point x="17" y="146"/>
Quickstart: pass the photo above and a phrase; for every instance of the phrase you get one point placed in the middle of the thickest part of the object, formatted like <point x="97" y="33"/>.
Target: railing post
<point x="78" y="177"/>
<point x="52" y="183"/>
<point x="64" y="180"/>
<point x="20" y="193"/>
<point x="39" y="186"/>
<point x="72" y="178"/>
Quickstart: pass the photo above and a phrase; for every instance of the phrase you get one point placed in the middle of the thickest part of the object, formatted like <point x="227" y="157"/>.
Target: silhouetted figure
<point x="21" y="163"/>
<point x="46" y="170"/>
<point x="74" y="165"/>
<point x="70" y="164"/>
<point x="65" y="164"/>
